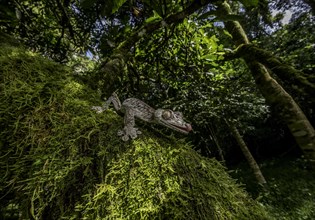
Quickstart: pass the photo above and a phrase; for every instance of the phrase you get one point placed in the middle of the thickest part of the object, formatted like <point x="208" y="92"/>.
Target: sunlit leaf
<point x="227" y="33"/>
<point x="155" y="17"/>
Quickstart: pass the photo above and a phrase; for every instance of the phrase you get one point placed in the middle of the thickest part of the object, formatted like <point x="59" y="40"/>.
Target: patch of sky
<point x="89" y="54"/>
<point x="286" y="18"/>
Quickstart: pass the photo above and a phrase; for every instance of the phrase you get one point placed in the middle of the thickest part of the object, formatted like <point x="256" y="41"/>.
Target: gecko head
<point x="173" y="120"/>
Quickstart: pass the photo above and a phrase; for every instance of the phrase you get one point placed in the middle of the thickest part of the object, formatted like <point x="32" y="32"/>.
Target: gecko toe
<point x="125" y="138"/>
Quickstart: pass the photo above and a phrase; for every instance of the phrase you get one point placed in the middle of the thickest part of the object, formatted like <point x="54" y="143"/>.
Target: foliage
<point x="294" y="44"/>
<point x="48" y="27"/>
<point x="294" y="41"/>
<point x="58" y="29"/>
<point x="291" y="188"/>
<point x="8" y="18"/>
<point x="62" y="160"/>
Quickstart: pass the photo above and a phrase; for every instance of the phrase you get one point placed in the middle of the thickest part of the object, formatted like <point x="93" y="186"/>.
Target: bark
<point x="215" y="139"/>
<point x="275" y="95"/>
<point x="287" y="73"/>
<point x="249" y="157"/>
<point x="286" y="108"/>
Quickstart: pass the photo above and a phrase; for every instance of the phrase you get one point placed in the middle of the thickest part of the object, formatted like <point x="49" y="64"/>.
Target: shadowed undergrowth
<point x="61" y="160"/>
<point x="291" y="185"/>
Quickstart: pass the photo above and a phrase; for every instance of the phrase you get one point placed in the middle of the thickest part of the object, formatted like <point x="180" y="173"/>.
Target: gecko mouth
<point x="184" y="129"/>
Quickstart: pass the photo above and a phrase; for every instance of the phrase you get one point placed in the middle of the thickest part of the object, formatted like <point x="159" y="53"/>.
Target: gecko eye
<point x="166" y="115"/>
<point x="179" y="114"/>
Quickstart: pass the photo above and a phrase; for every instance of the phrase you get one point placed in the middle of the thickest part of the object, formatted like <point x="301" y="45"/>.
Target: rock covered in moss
<point x="61" y="160"/>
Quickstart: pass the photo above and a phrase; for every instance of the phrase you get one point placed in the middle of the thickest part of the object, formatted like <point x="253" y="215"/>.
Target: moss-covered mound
<point x="61" y="160"/>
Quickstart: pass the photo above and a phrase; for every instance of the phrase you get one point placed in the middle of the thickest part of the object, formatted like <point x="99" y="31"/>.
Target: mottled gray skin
<point x="133" y="107"/>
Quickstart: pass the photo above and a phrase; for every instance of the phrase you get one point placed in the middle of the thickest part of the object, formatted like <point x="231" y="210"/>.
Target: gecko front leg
<point x="129" y="131"/>
<point x="112" y="99"/>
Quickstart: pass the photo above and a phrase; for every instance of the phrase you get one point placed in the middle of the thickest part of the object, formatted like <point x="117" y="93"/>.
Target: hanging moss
<point x="61" y="160"/>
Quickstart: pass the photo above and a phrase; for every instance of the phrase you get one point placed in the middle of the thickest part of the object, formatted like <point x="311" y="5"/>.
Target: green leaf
<point x="117" y="4"/>
<point x="109" y="7"/>
<point x="155" y="6"/>
<point x="155" y="17"/>
<point x="249" y="3"/>
<point x="209" y="57"/>
<point x="207" y="14"/>
<point x="87" y="3"/>
<point x="227" y="33"/>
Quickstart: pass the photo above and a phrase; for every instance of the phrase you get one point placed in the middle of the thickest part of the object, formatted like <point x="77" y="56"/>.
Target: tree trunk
<point x="215" y="139"/>
<point x="275" y="95"/>
<point x="298" y="81"/>
<point x="249" y="157"/>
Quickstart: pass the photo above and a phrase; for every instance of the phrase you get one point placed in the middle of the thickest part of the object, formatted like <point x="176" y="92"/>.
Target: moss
<point x="61" y="160"/>
<point x="155" y="179"/>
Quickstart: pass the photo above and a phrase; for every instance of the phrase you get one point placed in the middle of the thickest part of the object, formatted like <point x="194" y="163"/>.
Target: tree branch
<point x="120" y="56"/>
<point x="285" y="72"/>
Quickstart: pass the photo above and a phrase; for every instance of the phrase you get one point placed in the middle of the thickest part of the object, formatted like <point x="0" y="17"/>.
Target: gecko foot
<point x="98" y="109"/>
<point x="128" y="132"/>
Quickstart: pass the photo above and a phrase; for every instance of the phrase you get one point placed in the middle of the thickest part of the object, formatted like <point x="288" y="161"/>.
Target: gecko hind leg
<point x="129" y="130"/>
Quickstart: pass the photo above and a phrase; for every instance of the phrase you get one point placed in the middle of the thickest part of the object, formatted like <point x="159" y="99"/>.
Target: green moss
<point x="61" y="160"/>
<point x="154" y="179"/>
